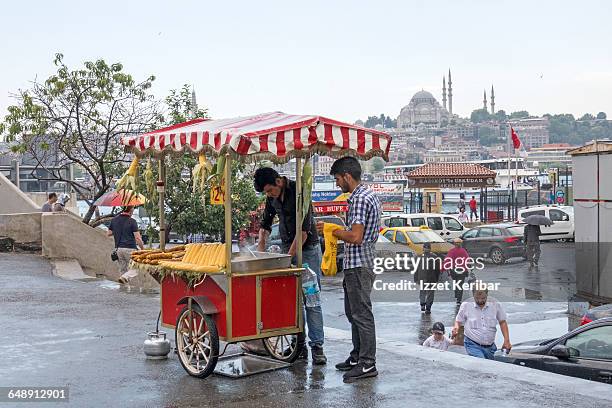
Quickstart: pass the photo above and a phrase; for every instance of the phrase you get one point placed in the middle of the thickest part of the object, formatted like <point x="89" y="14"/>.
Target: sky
<point x="341" y="59"/>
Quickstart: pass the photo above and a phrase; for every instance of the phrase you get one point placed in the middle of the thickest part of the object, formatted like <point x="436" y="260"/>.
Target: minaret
<point x="450" y="93"/>
<point x="194" y="104"/>
<point x="484" y="101"/>
<point x="492" y="101"/>
<point x="444" y="92"/>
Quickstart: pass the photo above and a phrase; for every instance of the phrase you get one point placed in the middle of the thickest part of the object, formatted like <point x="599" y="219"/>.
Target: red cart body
<point x="243" y="306"/>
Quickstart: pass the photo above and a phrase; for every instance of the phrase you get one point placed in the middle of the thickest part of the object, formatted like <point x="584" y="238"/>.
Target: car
<point x="562" y="217"/>
<point x="385" y="248"/>
<point x="447" y="226"/>
<point x="595" y="313"/>
<point x="585" y="352"/>
<point x="498" y="242"/>
<point x="415" y="237"/>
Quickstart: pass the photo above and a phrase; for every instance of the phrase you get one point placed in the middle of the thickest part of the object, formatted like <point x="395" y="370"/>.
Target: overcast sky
<point x="344" y="59"/>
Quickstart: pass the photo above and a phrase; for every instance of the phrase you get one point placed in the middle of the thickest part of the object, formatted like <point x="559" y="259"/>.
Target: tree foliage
<point x="480" y="115"/>
<point x="76" y="118"/>
<point x="386" y="121"/>
<point x="602" y="115"/>
<point x="187" y="212"/>
<point x="520" y="115"/>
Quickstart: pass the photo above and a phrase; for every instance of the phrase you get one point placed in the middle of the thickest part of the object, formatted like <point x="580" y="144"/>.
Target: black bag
<point x="114" y="256"/>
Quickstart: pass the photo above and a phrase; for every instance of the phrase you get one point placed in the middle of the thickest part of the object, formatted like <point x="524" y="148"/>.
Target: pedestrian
<point x="437" y="339"/>
<point x="479" y="316"/>
<point x="531" y="236"/>
<point x="281" y="201"/>
<point x="124" y="230"/>
<point x="455" y="263"/>
<point x="473" y="212"/>
<point x="60" y="205"/>
<point x="463" y="218"/>
<point x="427" y="273"/>
<point x="461" y="203"/>
<point x="360" y="236"/>
<point x="48" y="205"/>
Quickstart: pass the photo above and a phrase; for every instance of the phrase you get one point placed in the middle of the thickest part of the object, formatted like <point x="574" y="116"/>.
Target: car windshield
<point x="420" y="237"/>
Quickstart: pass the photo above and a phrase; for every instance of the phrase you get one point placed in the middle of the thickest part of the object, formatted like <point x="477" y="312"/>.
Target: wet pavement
<point x="89" y="336"/>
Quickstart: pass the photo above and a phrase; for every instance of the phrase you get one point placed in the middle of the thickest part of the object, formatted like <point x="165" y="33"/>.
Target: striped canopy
<point x="272" y="136"/>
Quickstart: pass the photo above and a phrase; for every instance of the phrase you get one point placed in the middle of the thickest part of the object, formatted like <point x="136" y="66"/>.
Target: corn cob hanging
<point x="129" y="179"/>
<point x="306" y="188"/>
<point x="200" y="173"/>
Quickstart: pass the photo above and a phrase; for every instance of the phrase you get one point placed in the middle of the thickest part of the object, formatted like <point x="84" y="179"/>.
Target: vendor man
<point x="281" y="201"/>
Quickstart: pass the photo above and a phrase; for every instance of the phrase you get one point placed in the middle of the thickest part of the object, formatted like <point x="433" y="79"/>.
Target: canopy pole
<point x="299" y="211"/>
<point x="161" y="185"/>
<point x="227" y="198"/>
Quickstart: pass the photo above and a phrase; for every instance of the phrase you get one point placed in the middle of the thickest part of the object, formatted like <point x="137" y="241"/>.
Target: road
<point x="89" y="336"/>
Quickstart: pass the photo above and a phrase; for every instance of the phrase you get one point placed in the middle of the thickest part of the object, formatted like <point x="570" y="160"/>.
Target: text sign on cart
<point x="217" y="195"/>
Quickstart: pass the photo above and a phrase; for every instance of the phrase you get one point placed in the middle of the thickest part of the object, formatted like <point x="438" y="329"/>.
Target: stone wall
<point x="21" y="227"/>
<point x="65" y="236"/>
<point x="13" y="200"/>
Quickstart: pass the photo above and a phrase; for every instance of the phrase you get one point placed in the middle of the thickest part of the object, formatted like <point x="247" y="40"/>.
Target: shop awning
<point x="274" y="136"/>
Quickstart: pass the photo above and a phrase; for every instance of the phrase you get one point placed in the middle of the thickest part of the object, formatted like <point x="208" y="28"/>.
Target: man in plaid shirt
<point x="360" y="236"/>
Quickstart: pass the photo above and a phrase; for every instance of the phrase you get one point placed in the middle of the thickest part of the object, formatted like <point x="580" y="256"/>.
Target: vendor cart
<point x="256" y="296"/>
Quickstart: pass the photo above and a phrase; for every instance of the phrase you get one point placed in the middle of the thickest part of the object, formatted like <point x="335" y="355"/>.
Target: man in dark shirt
<point x="124" y="230"/>
<point x="281" y="202"/>
<point x="532" y="244"/>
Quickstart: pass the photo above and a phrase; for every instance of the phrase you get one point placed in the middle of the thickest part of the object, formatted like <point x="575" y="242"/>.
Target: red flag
<point x="516" y="142"/>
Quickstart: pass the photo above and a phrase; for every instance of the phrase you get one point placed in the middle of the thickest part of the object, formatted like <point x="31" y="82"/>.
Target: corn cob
<point x="306" y="188"/>
<point x="176" y="248"/>
<point x="189" y="248"/>
<point x="129" y="179"/>
<point x="160" y="256"/>
<point x="200" y="173"/>
<point x="149" y="178"/>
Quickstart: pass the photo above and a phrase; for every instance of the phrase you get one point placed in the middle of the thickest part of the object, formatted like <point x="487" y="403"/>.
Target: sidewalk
<point x="89" y="336"/>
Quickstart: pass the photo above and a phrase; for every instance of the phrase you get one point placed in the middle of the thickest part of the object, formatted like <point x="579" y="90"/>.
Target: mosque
<point x="425" y="111"/>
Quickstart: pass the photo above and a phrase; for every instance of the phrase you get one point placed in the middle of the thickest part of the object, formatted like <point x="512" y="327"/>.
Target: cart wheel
<point x="285" y="348"/>
<point x="197" y="341"/>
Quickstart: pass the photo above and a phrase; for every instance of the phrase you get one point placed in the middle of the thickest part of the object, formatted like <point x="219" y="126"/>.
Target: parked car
<point x="447" y="226"/>
<point x="585" y="352"/>
<point x="498" y="242"/>
<point x="385" y="248"/>
<point x="596" y="313"/>
<point x="562" y="217"/>
<point x="415" y="237"/>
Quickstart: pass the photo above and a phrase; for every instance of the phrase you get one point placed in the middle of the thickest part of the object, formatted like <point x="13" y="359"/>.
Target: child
<point x="437" y="340"/>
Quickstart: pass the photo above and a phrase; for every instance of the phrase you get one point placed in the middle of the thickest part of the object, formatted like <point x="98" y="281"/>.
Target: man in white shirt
<point x="479" y="316"/>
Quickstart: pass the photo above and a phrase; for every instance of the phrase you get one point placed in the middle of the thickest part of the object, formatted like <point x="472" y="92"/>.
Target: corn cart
<point x="255" y="296"/>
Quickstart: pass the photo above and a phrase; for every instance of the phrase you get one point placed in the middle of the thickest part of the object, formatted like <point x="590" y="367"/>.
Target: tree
<point x="587" y="116"/>
<point x="602" y="115"/>
<point x="480" y="115"/>
<point x="519" y="115"/>
<point x="192" y="213"/>
<point x="500" y="116"/>
<point x="76" y="118"/>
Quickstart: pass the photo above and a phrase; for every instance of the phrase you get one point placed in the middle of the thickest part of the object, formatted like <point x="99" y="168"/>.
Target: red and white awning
<point x="273" y="136"/>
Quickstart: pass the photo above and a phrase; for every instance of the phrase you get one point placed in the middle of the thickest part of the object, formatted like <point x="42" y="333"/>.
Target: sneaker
<point x="346" y="365"/>
<point x="122" y="280"/>
<point x="422" y="308"/>
<point x="360" y="371"/>
<point x="428" y="310"/>
<point x="318" y="357"/>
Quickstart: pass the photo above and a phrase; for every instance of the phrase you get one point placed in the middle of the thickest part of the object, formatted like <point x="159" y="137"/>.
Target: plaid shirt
<point x="364" y="209"/>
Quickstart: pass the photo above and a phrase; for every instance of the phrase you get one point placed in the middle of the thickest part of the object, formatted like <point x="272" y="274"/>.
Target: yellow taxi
<point x="415" y="237"/>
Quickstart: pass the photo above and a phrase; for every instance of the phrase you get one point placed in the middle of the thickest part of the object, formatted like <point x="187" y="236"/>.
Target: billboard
<point x="391" y="196"/>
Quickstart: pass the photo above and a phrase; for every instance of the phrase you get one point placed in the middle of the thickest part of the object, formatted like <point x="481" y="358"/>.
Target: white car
<point x="562" y="217"/>
<point x="446" y="225"/>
